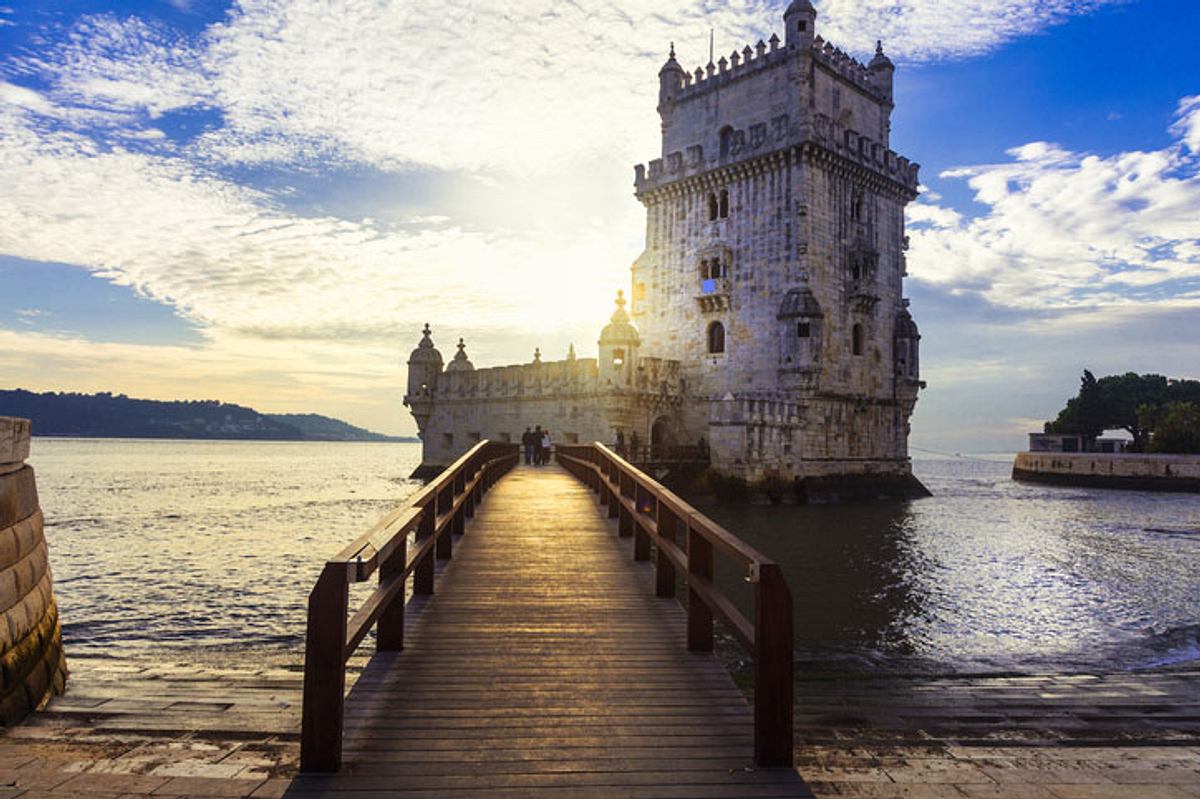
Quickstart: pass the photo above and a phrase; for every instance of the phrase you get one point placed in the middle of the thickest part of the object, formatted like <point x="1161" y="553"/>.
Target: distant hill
<point x="107" y="415"/>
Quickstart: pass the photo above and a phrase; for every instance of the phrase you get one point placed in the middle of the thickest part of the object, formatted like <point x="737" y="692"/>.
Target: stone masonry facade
<point x="766" y="314"/>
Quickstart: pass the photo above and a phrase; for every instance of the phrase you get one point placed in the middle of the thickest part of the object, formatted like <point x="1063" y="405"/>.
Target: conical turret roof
<point x="425" y="351"/>
<point x="620" y="330"/>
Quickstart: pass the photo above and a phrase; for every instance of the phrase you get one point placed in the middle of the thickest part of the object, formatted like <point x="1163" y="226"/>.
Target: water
<point x="989" y="575"/>
<point x="196" y="548"/>
<point x="207" y="550"/>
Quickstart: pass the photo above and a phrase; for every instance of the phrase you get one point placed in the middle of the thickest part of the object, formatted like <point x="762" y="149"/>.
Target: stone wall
<point x="32" y="663"/>
<point x="1131" y="471"/>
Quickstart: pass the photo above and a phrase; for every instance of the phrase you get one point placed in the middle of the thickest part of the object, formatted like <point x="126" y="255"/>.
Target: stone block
<point x="14" y="439"/>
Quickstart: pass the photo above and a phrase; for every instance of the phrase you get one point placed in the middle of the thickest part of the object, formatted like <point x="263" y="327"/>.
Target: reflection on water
<point x="207" y="546"/>
<point x="986" y="575"/>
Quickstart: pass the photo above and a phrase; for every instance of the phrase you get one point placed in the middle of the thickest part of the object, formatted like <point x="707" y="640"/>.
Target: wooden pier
<point x="552" y="657"/>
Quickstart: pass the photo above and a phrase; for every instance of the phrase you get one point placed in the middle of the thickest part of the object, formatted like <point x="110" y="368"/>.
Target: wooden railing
<point x="686" y="542"/>
<point x="436" y="513"/>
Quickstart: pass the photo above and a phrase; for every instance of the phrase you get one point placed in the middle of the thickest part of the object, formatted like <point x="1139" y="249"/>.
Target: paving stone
<point x="207" y="786"/>
<point x="1117" y="792"/>
<point x="112" y="783"/>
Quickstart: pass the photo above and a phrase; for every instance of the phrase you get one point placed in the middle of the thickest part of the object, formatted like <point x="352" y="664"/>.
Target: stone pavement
<point x="125" y="730"/>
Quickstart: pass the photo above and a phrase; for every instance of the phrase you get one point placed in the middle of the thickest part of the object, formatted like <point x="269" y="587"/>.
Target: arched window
<point x="716" y="338"/>
<point x="712" y="207"/>
<point x="724" y="209"/>
<point x="856" y="340"/>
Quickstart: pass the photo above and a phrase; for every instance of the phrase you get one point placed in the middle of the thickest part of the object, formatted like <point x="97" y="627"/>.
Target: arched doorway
<point x="662" y="438"/>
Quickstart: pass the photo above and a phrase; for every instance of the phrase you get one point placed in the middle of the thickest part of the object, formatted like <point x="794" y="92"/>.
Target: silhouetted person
<point x="527" y="443"/>
<point x="545" y="446"/>
<point x="535" y="441"/>
<point x="633" y="445"/>
<point x="621" y="443"/>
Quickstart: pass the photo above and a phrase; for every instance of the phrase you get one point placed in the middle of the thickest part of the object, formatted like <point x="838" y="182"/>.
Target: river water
<point x="207" y="549"/>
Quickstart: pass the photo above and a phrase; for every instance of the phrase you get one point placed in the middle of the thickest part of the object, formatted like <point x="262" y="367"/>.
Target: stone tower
<point x="775" y="256"/>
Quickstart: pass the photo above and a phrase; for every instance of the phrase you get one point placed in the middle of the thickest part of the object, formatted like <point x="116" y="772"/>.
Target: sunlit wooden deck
<point x="544" y="665"/>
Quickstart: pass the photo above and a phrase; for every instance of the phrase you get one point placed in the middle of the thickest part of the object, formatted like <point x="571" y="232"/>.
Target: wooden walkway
<point x="545" y="666"/>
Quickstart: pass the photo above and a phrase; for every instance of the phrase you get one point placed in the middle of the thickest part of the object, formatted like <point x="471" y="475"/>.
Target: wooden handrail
<point x="435" y="513"/>
<point x="656" y="517"/>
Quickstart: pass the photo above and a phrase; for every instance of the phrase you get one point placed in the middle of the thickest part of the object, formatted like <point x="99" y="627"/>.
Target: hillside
<point x="107" y="415"/>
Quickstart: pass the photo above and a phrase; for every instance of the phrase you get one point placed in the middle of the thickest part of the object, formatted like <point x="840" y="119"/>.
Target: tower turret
<point x="619" y="342"/>
<point x="424" y="368"/>
<point x="882" y="71"/>
<point x="670" y="80"/>
<point x="460" y="363"/>
<point x="800" y="22"/>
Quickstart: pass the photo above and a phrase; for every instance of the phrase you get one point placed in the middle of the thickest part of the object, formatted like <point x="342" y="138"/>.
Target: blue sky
<point x="263" y="201"/>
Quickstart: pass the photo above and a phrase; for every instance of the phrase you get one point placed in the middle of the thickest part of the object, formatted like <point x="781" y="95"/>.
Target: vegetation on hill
<point x="1162" y="414"/>
<point x="108" y="415"/>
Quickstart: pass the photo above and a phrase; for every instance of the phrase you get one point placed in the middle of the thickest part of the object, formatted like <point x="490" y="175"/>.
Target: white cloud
<point x="919" y="30"/>
<point x="1067" y="230"/>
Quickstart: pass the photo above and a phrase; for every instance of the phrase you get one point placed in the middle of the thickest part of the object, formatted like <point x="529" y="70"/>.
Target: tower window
<point x="802" y="26"/>
<point x="856" y="340"/>
<point x="618" y="357"/>
<point x="726" y="141"/>
<point x="856" y="206"/>
<point x="716" y="338"/>
<point x="724" y="204"/>
<point x="712" y="207"/>
<point x="803" y="329"/>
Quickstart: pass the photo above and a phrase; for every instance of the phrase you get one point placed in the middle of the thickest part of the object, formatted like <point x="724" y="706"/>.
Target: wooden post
<point x="445" y="500"/>
<point x="613" y="504"/>
<point x="423" y="573"/>
<point x="700" y="618"/>
<point x="625" y="523"/>
<point x="389" y="630"/>
<point x="641" y="539"/>
<point x="664" y="568"/>
<point x="324" y="673"/>
<point x="773" y="687"/>
<point x="469" y="504"/>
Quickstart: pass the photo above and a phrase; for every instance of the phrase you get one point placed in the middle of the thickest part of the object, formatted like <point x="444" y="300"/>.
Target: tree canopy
<point x="1154" y="409"/>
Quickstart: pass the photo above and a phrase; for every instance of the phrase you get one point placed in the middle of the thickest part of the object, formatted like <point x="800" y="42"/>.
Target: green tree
<point x="1124" y="395"/>
<point x="1176" y="428"/>
<point x="1085" y="414"/>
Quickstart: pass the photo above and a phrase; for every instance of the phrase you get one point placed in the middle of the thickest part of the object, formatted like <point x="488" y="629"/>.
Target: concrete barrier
<point x="32" y="663"/>
<point x="1138" y="472"/>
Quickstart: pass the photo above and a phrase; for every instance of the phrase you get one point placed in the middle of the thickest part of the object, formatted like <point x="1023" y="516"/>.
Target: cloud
<point x="229" y="258"/>
<point x="923" y="30"/>
<point x="1072" y="230"/>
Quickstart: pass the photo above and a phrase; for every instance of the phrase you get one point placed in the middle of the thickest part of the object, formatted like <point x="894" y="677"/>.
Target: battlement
<point x="765" y="138"/>
<point x="846" y="66"/>
<point x="725" y="70"/>
<point x="863" y="149"/>
<point x="763" y="55"/>
<point x="573" y="376"/>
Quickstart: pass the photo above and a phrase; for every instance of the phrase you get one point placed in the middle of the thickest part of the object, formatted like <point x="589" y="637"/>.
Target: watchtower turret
<point x="619" y="342"/>
<point x="670" y="81"/>
<point x="424" y="368"/>
<point x="800" y="19"/>
<point x="882" y="71"/>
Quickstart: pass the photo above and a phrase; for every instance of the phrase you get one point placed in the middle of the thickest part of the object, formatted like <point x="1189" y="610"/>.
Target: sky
<point x="263" y="201"/>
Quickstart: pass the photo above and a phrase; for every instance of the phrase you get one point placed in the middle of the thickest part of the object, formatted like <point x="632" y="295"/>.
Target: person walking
<point x="535" y="440"/>
<point x="527" y="443"/>
<point x="545" y="446"/>
<point x="621" y="443"/>
<point x="633" y="446"/>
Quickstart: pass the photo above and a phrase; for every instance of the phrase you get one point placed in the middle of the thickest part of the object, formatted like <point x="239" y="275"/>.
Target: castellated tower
<point x="775" y="257"/>
<point x="766" y="327"/>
